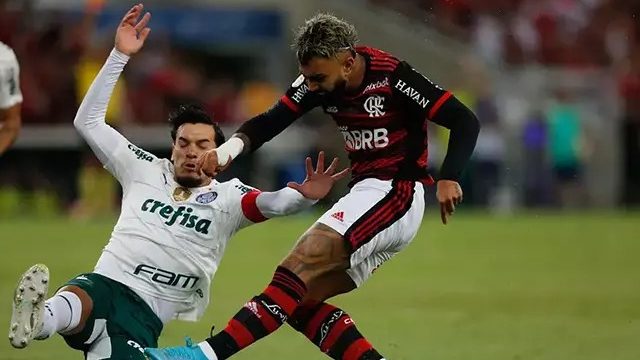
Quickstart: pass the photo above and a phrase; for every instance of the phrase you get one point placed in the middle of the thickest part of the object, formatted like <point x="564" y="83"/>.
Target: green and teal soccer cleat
<point x="187" y="352"/>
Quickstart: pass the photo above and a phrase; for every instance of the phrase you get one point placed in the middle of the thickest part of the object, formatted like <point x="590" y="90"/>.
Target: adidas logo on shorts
<point x="338" y="216"/>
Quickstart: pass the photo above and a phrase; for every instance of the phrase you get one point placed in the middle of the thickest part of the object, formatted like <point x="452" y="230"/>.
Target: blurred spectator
<point x="475" y="89"/>
<point x="565" y="143"/>
<point x="489" y="39"/>
<point x="489" y="154"/>
<point x="630" y="130"/>
<point x="537" y="179"/>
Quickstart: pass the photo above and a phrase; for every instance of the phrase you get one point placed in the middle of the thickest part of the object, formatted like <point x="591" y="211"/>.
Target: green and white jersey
<point x="168" y="240"/>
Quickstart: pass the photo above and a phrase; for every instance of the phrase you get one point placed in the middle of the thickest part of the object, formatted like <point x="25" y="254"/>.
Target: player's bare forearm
<point x="10" y="121"/>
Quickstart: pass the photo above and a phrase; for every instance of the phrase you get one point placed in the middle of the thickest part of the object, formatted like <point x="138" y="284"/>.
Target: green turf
<point x="529" y="287"/>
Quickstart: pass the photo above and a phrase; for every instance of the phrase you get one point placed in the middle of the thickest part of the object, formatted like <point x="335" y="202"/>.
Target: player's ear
<point x="347" y="65"/>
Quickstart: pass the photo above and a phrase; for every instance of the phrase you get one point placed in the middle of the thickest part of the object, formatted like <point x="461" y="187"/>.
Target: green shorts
<point x="121" y="324"/>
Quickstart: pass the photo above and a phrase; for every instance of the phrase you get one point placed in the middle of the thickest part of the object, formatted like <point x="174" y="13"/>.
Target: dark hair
<point x="194" y="114"/>
<point x="324" y="35"/>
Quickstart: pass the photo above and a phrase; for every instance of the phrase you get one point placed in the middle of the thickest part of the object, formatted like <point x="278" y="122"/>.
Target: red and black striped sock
<point x="333" y="331"/>
<point x="262" y="315"/>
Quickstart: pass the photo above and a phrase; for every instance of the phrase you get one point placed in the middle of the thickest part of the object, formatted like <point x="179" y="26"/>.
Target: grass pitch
<point x="544" y="287"/>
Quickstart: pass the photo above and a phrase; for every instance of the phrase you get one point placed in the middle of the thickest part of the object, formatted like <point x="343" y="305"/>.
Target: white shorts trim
<point x="100" y="348"/>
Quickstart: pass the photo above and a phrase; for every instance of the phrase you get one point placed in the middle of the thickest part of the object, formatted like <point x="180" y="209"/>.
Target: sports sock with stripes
<point x="333" y="331"/>
<point x="261" y="316"/>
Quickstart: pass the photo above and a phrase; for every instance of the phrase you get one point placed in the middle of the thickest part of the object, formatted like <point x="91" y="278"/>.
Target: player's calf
<point x="319" y="251"/>
<point x="333" y="331"/>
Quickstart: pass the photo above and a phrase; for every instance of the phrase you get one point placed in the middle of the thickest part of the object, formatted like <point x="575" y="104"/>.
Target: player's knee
<point x="320" y="250"/>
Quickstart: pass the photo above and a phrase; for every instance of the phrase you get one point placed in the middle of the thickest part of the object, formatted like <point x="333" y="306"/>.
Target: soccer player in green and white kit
<point x="173" y="229"/>
<point x="10" y="97"/>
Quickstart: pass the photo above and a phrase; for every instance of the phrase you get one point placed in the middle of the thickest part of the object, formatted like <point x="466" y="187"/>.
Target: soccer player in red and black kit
<point x="381" y="106"/>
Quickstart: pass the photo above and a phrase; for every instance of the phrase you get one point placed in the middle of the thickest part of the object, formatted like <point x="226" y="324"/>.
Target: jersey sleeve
<point x="293" y="104"/>
<point x="10" y="93"/>
<point x="255" y="206"/>
<point x="423" y="97"/>
<point x="114" y="151"/>
<point x="298" y="98"/>
<point x="426" y="100"/>
<point x="243" y="208"/>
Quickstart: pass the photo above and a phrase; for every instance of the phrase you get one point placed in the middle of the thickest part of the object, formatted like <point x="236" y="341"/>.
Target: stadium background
<point x="540" y="262"/>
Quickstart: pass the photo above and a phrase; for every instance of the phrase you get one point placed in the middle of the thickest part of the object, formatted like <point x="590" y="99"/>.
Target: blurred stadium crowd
<point x="579" y="33"/>
<point x="59" y="56"/>
<point x="59" y="53"/>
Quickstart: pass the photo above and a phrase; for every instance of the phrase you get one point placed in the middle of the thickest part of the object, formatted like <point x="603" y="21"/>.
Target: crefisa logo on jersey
<point x="182" y="215"/>
<point x="140" y="155"/>
<point x="244" y="189"/>
<point x="374" y="106"/>
<point x="206" y="197"/>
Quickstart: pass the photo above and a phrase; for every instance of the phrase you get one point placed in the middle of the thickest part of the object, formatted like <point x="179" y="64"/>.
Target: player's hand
<point x="132" y="33"/>
<point x="319" y="182"/>
<point x="449" y="195"/>
<point x="208" y="163"/>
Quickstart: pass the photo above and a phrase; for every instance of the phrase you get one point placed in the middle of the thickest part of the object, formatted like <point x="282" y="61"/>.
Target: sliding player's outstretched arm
<point x="110" y="146"/>
<point x="259" y="206"/>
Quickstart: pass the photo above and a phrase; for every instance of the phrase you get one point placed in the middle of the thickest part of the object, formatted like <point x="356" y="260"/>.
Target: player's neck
<point x="358" y="73"/>
<point x="205" y="182"/>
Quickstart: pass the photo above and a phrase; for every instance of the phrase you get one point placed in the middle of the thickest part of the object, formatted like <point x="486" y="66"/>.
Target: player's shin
<point x="262" y="315"/>
<point x="62" y="314"/>
<point x="333" y="331"/>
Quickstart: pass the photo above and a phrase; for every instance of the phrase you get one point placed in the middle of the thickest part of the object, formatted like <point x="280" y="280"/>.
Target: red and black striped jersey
<point x="382" y="122"/>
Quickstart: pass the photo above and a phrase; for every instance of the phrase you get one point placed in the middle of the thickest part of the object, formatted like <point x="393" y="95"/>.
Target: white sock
<point x="207" y="350"/>
<point x="61" y="314"/>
